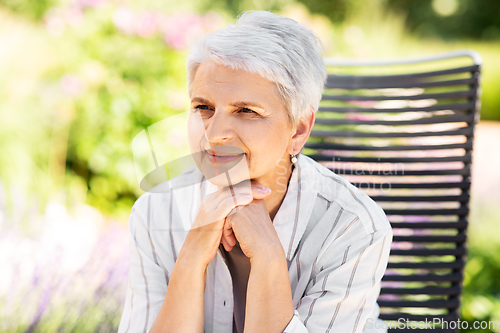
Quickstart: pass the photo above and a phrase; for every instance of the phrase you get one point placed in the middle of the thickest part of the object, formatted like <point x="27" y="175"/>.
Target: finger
<point x="212" y="211"/>
<point x="258" y="191"/>
<point x="228" y="234"/>
<point x="241" y="194"/>
<point x="230" y="203"/>
<point x="226" y="245"/>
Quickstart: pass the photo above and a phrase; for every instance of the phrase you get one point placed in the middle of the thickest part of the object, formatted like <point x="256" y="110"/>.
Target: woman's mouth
<point x="216" y="157"/>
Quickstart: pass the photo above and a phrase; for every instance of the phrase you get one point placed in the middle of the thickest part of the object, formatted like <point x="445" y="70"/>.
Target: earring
<point x="293" y="157"/>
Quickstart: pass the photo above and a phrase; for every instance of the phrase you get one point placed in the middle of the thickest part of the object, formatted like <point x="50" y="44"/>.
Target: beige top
<point x="239" y="267"/>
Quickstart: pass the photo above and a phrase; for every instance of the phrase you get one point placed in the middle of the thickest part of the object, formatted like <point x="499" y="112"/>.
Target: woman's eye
<point x="246" y="110"/>
<point x="203" y="107"/>
<point x="204" y="111"/>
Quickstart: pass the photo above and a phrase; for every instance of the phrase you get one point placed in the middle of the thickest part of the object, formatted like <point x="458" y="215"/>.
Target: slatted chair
<point x="402" y="131"/>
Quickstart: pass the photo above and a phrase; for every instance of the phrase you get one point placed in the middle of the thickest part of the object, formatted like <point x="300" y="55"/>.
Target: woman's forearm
<point x="183" y="307"/>
<point x="269" y="305"/>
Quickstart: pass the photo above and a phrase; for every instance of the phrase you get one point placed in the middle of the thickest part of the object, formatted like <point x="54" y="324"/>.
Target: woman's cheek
<point x="195" y="132"/>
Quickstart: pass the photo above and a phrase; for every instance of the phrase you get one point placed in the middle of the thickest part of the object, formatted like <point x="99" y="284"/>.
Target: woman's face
<point x="236" y="116"/>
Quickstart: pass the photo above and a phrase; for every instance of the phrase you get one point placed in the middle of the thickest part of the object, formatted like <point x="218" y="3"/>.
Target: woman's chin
<point x="224" y="181"/>
<point x="223" y="177"/>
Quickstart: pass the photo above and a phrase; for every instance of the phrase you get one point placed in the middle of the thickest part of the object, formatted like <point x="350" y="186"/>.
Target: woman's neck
<point x="278" y="191"/>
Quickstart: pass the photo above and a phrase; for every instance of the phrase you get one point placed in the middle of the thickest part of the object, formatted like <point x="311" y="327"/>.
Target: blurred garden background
<point x="79" y="79"/>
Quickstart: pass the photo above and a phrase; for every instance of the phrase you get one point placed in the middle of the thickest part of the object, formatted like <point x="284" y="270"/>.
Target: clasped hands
<point x="229" y="214"/>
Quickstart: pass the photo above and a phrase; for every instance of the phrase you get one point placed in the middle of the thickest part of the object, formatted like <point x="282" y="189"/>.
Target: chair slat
<point x="465" y="69"/>
<point x="345" y="134"/>
<point x="460" y="185"/>
<point x="467" y="158"/>
<point x="427" y="265"/>
<point x="404" y="212"/>
<point x="438" y="107"/>
<point x="336" y="82"/>
<point x="462" y="224"/>
<point x="460" y="251"/>
<point x="446" y="95"/>
<point x="341" y="147"/>
<point x="420" y="121"/>
<point x="434" y="304"/>
<point x="437" y="198"/>
<point x="414" y="317"/>
<point x="455" y="290"/>
<point x="430" y="239"/>
<point x="455" y="277"/>
<point x="444" y="172"/>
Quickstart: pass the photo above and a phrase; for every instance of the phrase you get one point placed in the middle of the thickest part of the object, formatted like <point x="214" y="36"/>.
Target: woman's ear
<point x="302" y="130"/>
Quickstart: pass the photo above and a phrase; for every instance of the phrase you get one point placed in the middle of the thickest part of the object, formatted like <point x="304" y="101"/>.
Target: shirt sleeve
<point x="147" y="281"/>
<point x="343" y="289"/>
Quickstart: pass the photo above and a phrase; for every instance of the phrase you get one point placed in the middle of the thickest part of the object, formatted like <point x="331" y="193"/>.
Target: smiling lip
<point x="222" y="158"/>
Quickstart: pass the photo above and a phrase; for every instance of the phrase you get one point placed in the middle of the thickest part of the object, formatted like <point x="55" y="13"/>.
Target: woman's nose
<point x="218" y="128"/>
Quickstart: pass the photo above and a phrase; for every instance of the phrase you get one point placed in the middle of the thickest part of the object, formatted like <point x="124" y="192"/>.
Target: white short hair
<point x="274" y="47"/>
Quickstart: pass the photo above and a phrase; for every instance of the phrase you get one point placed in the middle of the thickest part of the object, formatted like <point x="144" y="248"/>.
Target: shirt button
<point x="224" y="303"/>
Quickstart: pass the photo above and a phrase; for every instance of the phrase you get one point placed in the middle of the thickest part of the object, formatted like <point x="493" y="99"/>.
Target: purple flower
<point x="41" y="308"/>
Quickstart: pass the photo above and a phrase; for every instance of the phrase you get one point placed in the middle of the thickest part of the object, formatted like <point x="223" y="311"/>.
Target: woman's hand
<point x="255" y="232"/>
<point x="203" y="240"/>
<point x="183" y="307"/>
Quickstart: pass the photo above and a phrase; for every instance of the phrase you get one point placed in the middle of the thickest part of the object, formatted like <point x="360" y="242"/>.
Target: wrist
<point x="195" y="252"/>
<point x="269" y="306"/>
<point x="190" y="261"/>
<point x="269" y="258"/>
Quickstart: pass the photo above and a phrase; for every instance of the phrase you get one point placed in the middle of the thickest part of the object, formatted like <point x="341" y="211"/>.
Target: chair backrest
<point x="402" y="131"/>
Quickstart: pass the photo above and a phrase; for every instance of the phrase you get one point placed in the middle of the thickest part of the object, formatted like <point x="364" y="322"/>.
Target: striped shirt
<point x="336" y="240"/>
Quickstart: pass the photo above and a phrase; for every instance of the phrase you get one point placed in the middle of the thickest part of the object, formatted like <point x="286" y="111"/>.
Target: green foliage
<point x="481" y="294"/>
<point x="112" y="72"/>
<point x="139" y="79"/>
<point x="35" y="9"/>
<point x="449" y="19"/>
<point x="467" y="18"/>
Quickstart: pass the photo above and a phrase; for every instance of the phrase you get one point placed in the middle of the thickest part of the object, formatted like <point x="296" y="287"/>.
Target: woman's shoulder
<point x="170" y="198"/>
<point x="341" y="194"/>
<point x="325" y="181"/>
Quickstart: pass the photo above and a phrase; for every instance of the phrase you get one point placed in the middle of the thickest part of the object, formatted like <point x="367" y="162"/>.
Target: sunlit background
<point x="79" y="79"/>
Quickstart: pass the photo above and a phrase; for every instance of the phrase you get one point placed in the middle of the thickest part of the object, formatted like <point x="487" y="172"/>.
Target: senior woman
<point x="281" y="244"/>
